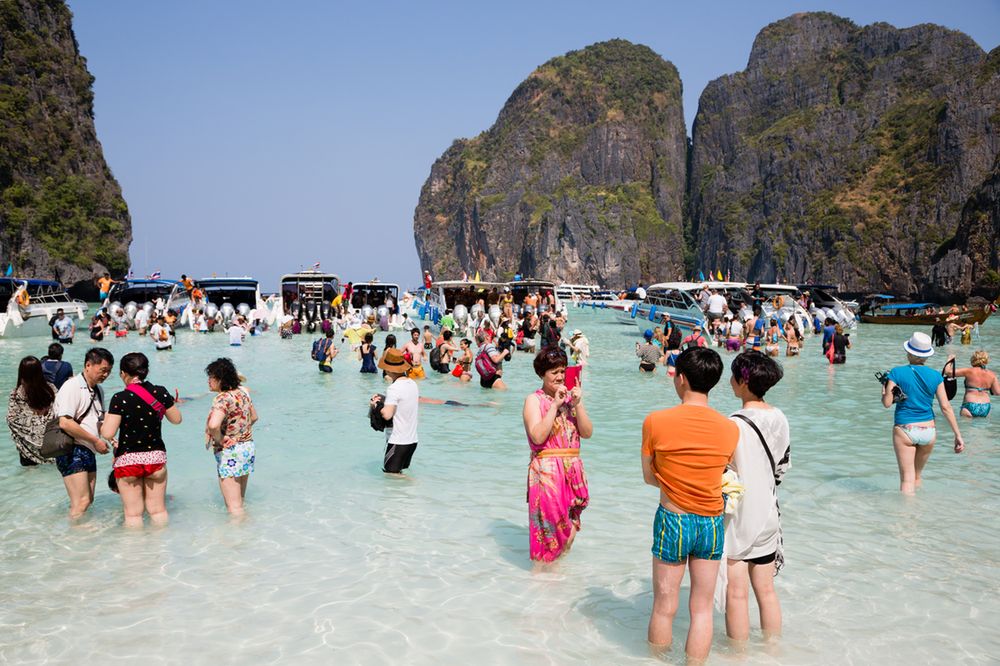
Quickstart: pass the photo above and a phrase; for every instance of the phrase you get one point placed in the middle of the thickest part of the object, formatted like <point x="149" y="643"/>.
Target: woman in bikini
<point x="980" y="384"/>
<point x="912" y="388"/>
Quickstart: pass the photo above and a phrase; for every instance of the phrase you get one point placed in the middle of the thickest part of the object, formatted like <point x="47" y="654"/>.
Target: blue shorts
<point x="676" y="536"/>
<point x="81" y="459"/>
<point x="978" y="409"/>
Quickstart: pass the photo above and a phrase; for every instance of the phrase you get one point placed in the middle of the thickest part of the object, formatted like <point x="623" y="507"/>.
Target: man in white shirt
<point x="64" y="327"/>
<point x="141" y="321"/>
<point x="716" y="306"/>
<point x="161" y="334"/>
<point x="402" y="399"/>
<point x="236" y="334"/>
<point x="80" y="407"/>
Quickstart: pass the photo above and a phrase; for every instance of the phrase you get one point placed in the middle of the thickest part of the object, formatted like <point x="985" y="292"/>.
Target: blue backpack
<point x="319" y="350"/>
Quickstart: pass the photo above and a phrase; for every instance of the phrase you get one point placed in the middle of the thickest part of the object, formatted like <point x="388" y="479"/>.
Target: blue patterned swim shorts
<point x="236" y="461"/>
<point x="679" y="535"/>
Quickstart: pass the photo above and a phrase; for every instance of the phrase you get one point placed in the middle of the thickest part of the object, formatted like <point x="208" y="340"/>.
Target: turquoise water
<point x="336" y="562"/>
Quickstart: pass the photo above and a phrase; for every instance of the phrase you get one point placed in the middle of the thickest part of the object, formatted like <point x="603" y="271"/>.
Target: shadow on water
<point x="623" y="621"/>
<point x="513" y="543"/>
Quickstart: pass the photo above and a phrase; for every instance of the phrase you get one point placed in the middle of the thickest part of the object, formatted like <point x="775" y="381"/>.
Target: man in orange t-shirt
<point x="685" y="450"/>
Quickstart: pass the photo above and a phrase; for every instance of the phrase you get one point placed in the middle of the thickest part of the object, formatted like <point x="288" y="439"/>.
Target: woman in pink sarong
<point x="555" y="420"/>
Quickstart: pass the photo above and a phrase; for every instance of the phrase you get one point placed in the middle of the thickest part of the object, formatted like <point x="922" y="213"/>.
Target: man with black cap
<point x="401" y="402"/>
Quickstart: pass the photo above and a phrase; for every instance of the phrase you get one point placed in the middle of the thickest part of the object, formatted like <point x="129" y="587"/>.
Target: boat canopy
<point x="374" y="294"/>
<point x="35" y="287"/>
<point x="907" y="306"/>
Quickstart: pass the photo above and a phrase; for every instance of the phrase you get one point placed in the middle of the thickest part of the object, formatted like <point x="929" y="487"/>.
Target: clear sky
<point x="257" y="137"/>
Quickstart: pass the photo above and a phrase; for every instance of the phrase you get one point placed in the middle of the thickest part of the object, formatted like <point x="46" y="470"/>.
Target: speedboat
<point x="459" y="298"/>
<point x="226" y="297"/>
<point x="306" y="295"/>
<point x="32" y="303"/>
<point x="574" y="293"/>
<point x="378" y="299"/>
<point x="673" y="298"/>
<point x="520" y="289"/>
<point x="826" y="304"/>
<point x="781" y="302"/>
<point x="129" y="296"/>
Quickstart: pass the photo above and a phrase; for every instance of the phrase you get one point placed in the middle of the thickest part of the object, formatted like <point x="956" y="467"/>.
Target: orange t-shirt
<point x="104" y="284"/>
<point x="690" y="446"/>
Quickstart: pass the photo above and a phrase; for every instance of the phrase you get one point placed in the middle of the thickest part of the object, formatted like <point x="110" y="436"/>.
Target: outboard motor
<point x="382" y="314"/>
<point x="366" y="312"/>
<point x="461" y="316"/>
<point x="227" y="311"/>
<point x="494" y="314"/>
<point x="326" y="310"/>
<point x="543" y="308"/>
<point x="476" y="311"/>
<point x="295" y="309"/>
<point x="528" y="309"/>
<point x="243" y="309"/>
<point x="131" y="309"/>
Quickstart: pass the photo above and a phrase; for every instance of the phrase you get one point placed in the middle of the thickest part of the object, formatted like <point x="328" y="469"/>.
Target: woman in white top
<point x="753" y="547"/>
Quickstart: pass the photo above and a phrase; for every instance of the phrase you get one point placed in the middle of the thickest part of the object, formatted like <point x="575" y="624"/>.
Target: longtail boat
<point x="926" y="314"/>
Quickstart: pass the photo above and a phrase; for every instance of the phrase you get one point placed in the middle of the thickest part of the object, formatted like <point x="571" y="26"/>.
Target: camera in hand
<point x="897" y="393"/>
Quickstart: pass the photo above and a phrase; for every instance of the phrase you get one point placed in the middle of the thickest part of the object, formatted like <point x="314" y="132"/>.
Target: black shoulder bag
<point x="56" y="441"/>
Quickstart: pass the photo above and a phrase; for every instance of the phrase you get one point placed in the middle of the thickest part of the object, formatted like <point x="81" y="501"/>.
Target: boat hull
<point x="976" y="316"/>
<point x="36" y="321"/>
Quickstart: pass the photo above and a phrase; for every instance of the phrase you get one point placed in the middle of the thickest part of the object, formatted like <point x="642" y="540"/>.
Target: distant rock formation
<point x="581" y="178"/>
<point x="846" y="154"/>
<point x="61" y="211"/>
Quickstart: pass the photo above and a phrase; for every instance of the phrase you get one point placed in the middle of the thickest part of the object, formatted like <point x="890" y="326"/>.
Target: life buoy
<point x="777" y="302"/>
<point x="22" y="298"/>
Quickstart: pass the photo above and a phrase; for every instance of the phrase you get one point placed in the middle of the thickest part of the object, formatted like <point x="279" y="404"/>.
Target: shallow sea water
<point x="338" y="564"/>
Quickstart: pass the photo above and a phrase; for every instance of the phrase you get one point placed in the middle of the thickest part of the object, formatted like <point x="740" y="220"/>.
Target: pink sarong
<point x="557" y="487"/>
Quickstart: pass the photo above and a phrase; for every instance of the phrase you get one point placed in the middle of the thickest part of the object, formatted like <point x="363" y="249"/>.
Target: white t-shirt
<point x="141" y="319"/>
<point x="405" y="394"/>
<point x="754" y="529"/>
<point x="72" y="400"/>
<point x="236" y="333"/>
<point x="640" y="293"/>
<point x="735" y="329"/>
<point x="156" y="331"/>
<point x="716" y="303"/>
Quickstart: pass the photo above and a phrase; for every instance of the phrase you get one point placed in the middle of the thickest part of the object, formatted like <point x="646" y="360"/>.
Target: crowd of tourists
<point x="717" y="476"/>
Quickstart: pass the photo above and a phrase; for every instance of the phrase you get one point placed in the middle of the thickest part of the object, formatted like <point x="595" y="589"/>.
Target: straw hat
<point x="576" y="333"/>
<point x="919" y="345"/>
<point x="394" y="362"/>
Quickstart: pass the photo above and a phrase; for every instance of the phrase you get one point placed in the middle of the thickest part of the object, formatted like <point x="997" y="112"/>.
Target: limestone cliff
<point x="842" y="153"/>
<point x="61" y="211"/>
<point x="581" y="178"/>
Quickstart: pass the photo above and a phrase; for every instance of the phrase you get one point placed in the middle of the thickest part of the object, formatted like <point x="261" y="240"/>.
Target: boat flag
<point x="10" y="270"/>
<point x="130" y="274"/>
<point x="316" y="266"/>
<point x="155" y="275"/>
<point x="719" y="274"/>
<point x="701" y="276"/>
<point x="476" y="279"/>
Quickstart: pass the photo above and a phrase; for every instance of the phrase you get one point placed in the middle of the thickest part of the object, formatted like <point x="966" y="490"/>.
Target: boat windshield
<point x="141" y="291"/>
<point x="235" y="292"/>
<point x="469" y="294"/>
<point x="674" y="299"/>
<point x="375" y="295"/>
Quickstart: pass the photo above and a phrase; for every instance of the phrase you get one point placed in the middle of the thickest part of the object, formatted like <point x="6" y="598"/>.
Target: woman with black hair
<point x="136" y="415"/>
<point x="229" y="431"/>
<point x="29" y="410"/>
<point x="555" y="420"/>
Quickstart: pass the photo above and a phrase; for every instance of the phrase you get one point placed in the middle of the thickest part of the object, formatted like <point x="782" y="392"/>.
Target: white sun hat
<point x="919" y="345"/>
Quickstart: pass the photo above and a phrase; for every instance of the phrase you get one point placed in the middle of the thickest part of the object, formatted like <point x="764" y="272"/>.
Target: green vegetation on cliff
<point x="56" y="193"/>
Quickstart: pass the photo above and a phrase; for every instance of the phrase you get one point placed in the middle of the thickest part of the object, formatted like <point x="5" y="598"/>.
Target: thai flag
<point x="131" y="274"/>
<point x="316" y="266"/>
<point x="155" y="275"/>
